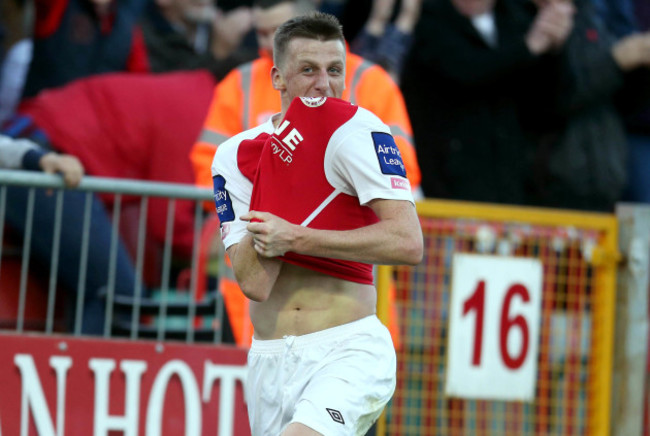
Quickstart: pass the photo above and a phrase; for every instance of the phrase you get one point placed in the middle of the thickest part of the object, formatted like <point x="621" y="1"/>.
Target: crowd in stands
<point x="530" y="102"/>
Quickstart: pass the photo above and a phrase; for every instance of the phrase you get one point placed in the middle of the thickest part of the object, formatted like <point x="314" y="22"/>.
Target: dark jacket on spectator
<point x="71" y="42"/>
<point x="582" y="160"/>
<point x="169" y="49"/>
<point x="465" y="97"/>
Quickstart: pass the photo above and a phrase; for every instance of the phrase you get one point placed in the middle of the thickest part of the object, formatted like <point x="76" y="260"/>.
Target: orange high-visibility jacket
<point x="245" y="98"/>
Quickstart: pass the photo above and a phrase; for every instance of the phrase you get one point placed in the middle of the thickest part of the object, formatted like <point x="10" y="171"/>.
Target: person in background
<point x="483" y="62"/>
<point x="22" y="153"/>
<point x="25" y="154"/>
<point x="17" y="50"/>
<point x="623" y="18"/>
<point x="187" y="35"/>
<point x="12" y="77"/>
<point x="583" y="158"/>
<point x="79" y="38"/>
<point x="384" y="42"/>
<point x="321" y="363"/>
<point x="637" y="122"/>
<point x="619" y="16"/>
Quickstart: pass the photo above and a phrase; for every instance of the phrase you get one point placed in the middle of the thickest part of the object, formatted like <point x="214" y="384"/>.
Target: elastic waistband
<point x="297" y="342"/>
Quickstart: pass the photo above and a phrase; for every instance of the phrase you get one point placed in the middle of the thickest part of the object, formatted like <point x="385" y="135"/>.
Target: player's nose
<point x="322" y="81"/>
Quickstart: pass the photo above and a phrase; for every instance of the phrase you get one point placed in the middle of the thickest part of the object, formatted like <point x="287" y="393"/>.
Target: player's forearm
<point x="255" y="274"/>
<point x="388" y="242"/>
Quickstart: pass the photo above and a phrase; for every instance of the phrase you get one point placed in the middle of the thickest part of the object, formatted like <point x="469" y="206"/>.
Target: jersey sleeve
<point x="232" y="194"/>
<point x="363" y="160"/>
<point x="377" y="92"/>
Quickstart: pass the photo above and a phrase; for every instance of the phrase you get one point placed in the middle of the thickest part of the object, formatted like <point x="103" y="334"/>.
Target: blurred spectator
<point x="12" y="76"/>
<point x="386" y="42"/>
<point x="474" y="67"/>
<point x="25" y="154"/>
<point x="333" y="7"/>
<point x="186" y="35"/>
<point x="638" y="126"/>
<point x="15" y="54"/>
<point x="624" y="18"/>
<point x="618" y="15"/>
<point x="246" y="98"/>
<point x="584" y="158"/>
<point x="230" y="30"/>
<point x="125" y="126"/>
<point x="13" y="17"/>
<point x="3" y="37"/>
<point x="78" y="38"/>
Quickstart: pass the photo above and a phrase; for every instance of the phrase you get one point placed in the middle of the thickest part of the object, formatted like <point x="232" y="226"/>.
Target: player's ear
<point x="277" y="80"/>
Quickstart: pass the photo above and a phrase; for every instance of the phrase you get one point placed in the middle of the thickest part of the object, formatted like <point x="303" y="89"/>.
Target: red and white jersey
<point x="319" y="168"/>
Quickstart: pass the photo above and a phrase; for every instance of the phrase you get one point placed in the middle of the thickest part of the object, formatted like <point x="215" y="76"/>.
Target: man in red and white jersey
<point x="307" y="202"/>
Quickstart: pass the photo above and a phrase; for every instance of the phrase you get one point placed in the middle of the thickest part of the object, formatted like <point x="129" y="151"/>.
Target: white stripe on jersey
<point x="322" y="206"/>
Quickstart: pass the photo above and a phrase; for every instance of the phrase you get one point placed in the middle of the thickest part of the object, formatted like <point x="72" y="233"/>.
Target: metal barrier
<point x="572" y="384"/>
<point x="155" y="316"/>
<point x="571" y="343"/>
<point x="73" y="380"/>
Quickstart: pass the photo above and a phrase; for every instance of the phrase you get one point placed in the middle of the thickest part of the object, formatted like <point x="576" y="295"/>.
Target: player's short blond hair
<point x="315" y="25"/>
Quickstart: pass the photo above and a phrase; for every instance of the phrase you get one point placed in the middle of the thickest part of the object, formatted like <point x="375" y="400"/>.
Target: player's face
<point x="312" y="68"/>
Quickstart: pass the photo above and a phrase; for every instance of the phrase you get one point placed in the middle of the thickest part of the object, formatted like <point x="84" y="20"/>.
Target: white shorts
<point x="336" y="381"/>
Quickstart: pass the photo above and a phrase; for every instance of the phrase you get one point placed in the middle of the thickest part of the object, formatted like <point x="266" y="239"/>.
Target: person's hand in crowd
<point x="552" y="26"/>
<point x="408" y="15"/>
<point x="632" y="51"/>
<point x="380" y="14"/>
<point x="229" y="30"/>
<point x="68" y="166"/>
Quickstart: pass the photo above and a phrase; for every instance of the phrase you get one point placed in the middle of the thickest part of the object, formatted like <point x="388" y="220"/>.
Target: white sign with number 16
<point x="494" y="327"/>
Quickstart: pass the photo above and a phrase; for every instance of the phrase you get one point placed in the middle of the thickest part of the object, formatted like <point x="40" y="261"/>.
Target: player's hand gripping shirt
<point x="319" y="168"/>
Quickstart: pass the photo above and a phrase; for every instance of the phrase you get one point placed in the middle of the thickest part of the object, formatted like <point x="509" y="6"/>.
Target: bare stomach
<point x="304" y="301"/>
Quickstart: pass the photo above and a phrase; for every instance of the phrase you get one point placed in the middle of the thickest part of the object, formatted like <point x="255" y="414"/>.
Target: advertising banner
<point x="59" y="385"/>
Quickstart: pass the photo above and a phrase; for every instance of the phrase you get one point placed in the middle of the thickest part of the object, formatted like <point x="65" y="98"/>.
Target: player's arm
<point x="361" y="160"/>
<point x="232" y="193"/>
<point x="395" y="239"/>
<point x="378" y="93"/>
<point x="255" y="274"/>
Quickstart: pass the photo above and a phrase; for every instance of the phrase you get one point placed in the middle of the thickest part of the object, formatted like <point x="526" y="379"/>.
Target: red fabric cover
<point x="129" y="125"/>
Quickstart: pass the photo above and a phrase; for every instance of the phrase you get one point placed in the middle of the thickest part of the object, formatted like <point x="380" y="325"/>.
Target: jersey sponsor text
<point x="283" y="146"/>
<point x="390" y="159"/>
<point x="222" y="200"/>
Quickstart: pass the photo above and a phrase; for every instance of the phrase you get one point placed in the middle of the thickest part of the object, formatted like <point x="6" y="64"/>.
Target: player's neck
<point x="277" y="118"/>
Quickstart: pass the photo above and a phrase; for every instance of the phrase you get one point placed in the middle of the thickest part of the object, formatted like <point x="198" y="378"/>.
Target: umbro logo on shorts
<point x="336" y="415"/>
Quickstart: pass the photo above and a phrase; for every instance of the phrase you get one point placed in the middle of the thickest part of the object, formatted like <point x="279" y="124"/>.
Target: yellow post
<point x="383" y="283"/>
<point x="603" y="355"/>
